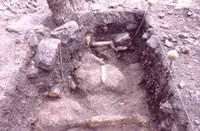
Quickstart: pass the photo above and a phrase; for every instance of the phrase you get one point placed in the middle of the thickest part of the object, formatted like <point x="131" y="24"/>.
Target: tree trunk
<point x="63" y="8"/>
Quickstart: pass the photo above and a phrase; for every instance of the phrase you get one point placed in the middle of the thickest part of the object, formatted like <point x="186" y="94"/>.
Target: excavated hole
<point x="117" y="87"/>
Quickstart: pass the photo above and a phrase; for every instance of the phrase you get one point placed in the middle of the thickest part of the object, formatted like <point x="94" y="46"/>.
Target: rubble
<point x="47" y="53"/>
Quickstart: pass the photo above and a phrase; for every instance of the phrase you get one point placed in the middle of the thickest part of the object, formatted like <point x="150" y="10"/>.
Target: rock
<point x="162" y="15"/>
<point x="165" y="26"/>
<point x="66" y="32"/>
<point x="164" y="37"/>
<point x="55" y="91"/>
<point x="32" y="72"/>
<point x="26" y="23"/>
<point x="106" y="52"/>
<point x="131" y="26"/>
<point x="182" y="84"/>
<point x="145" y="36"/>
<point x="189" y="13"/>
<point x="122" y="39"/>
<point x="197" y="122"/>
<point x="169" y="44"/>
<point x="46" y="53"/>
<point x="3" y="8"/>
<point x="113" y="78"/>
<point x="62" y="111"/>
<point x="18" y="41"/>
<point x="89" y="73"/>
<point x="150" y="20"/>
<point x="17" y="53"/>
<point x="170" y="12"/>
<point x="183" y="35"/>
<point x="113" y="5"/>
<point x="153" y="41"/>
<point x="185" y="50"/>
<point x="195" y="60"/>
<point x="95" y="7"/>
<point x="32" y="39"/>
<point x="196" y="36"/>
<point x="166" y="107"/>
<point x="42" y="30"/>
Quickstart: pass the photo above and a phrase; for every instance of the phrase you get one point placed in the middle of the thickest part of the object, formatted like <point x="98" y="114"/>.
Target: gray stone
<point x="89" y="73"/>
<point x="185" y="50"/>
<point x="122" y="39"/>
<point x="165" y="26"/>
<point x="46" y="53"/>
<point x="169" y="44"/>
<point x="153" y="41"/>
<point x="150" y="21"/>
<point x="145" y="36"/>
<point x="167" y="107"/>
<point x="32" y="39"/>
<point x="42" y="30"/>
<point x="114" y="79"/>
<point x="86" y="20"/>
<point x="32" y="72"/>
<point x="183" y="35"/>
<point x="66" y="32"/>
<point x="18" y="41"/>
<point x="26" y="23"/>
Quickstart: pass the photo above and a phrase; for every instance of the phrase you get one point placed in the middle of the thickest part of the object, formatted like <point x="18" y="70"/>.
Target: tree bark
<point x="62" y="8"/>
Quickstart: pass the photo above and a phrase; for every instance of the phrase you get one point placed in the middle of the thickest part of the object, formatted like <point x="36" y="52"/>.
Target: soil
<point x="153" y="103"/>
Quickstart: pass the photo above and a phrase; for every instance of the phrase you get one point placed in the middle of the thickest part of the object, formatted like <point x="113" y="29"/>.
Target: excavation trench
<point x="112" y="78"/>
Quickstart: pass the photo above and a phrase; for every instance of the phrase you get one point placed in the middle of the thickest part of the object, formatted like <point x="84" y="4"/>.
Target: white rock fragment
<point x="169" y="44"/>
<point x="95" y="7"/>
<point x="113" y="5"/>
<point x="182" y="84"/>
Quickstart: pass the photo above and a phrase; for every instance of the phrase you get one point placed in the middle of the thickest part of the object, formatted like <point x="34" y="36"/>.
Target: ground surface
<point x="176" y="20"/>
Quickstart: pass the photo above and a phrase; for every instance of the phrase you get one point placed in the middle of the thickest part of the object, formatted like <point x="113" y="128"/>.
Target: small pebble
<point x="169" y="44"/>
<point x="182" y="84"/>
<point x="145" y="36"/>
<point x="17" y="53"/>
<point x="113" y="5"/>
<point x="183" y="35"/>
<point x="197" y="122"/>
<point x="189" y="13"/>
<point x="195" y="60"/>
<point x="185" y="50"/>
<point x="170" y="12"/>
<point x="165" y="26"/>
<point x="95" y="7"/>
<point x="162" y="15"/>
<point x="17" y="41"/>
